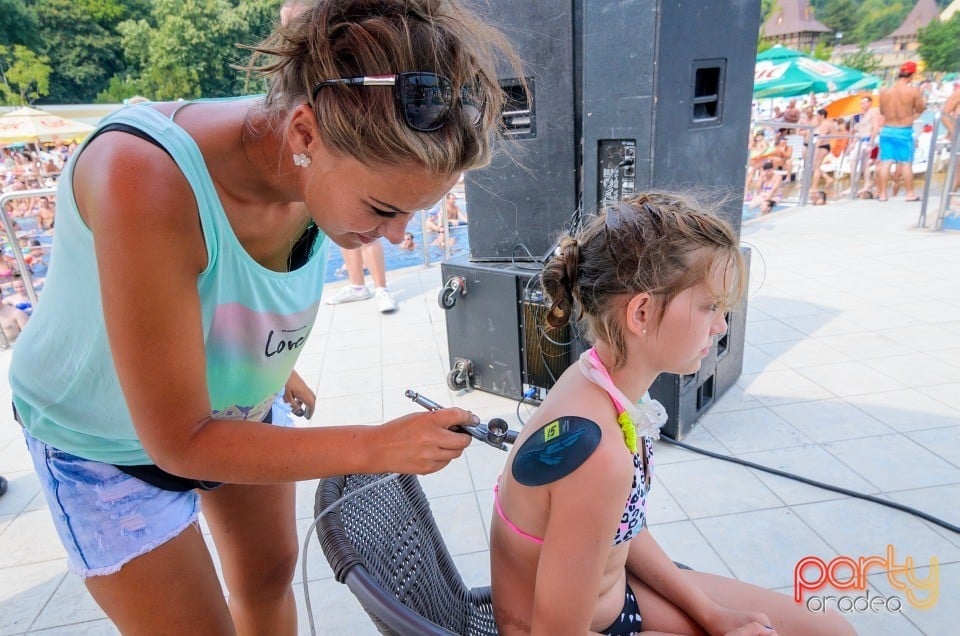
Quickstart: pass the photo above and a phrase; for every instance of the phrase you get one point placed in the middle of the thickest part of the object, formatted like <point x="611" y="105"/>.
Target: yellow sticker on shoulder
<point x="551" y="431"/>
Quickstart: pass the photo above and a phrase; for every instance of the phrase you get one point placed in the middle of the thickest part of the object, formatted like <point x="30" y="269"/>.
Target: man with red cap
<point x="900" y="105"/>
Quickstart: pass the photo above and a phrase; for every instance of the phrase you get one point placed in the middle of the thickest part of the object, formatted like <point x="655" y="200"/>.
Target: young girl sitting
<point x="651" y="278"/>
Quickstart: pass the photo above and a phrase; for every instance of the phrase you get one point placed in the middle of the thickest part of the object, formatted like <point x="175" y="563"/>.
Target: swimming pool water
<point x="396" y="258"/>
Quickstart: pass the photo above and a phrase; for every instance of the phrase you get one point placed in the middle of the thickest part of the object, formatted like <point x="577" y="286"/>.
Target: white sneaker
<point x="348" y="294"/>
<point x="385" y="301"/>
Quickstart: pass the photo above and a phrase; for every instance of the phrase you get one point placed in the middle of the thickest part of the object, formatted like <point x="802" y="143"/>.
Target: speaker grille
<point x="547" y="352"/>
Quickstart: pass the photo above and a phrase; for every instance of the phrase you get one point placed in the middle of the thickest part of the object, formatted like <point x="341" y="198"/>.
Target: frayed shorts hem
<point x="104" y="517"/>
<point x="107" y="570"/>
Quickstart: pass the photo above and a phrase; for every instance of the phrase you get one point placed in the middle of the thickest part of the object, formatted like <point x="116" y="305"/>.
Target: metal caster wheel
<point x="448" y="295"/>
<point x="460" y="376"/>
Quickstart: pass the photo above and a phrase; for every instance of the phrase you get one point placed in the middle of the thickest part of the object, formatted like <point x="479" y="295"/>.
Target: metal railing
<point x="949" y="190"/>
<point x="9" y="228"/>
<point x="445" y="224"/>
<point x="806" y="159"/>
<point x="855" y="156"/>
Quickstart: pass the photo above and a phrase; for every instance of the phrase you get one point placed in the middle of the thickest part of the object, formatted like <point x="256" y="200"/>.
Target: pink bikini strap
<point x="510" y="524"/>
<point x="602" y="370"/>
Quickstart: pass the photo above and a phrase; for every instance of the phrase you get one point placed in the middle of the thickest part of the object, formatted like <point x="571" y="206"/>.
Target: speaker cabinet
<point x="496" y="337"/>
<point x="626" y="96"/>
<point x="675" y="79"/>
<point x="529" y="190"/>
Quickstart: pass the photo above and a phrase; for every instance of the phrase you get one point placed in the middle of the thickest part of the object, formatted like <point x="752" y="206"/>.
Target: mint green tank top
<point x="255" y="321"/>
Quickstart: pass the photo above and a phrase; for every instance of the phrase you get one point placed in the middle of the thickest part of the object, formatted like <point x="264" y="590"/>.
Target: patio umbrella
<point x="849" y="105"/>
<point x="783" y="72"/>
<point x="866" y="81"/>
<point x="30" y="124"/>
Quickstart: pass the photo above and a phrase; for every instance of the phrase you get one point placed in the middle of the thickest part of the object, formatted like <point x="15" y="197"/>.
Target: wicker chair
<point x="385" y="546"/>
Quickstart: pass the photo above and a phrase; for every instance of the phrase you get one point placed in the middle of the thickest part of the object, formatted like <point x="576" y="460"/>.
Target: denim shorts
<point x="105" y="518"/>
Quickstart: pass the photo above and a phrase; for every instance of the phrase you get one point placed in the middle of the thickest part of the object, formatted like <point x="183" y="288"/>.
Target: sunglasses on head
<point x="425" y="99"/>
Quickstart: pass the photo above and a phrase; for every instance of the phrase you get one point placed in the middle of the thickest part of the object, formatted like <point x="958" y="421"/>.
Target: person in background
<point x="442" y="239"/>
<point x="838" y="146"/>
<point x="900" y="105"/>
<point x="651" y="278"/>
<point x="19" y="298"/>
<point x="369" y="257"/>
<point x="867" y="128"/>
<point x="825" y="127"/>
<point x="12" y="320"/>
<point x="782" y="157"/>
<point x="791" y="115"/>
<point x="760" y="150"/>
<point x="455" y="216"/>
<point x="434" y="216"/>
<point x="45" y="214"/>
<point x="408" y="243"/>
<point x="190" y="261"/>
<point x="768" y="191"/>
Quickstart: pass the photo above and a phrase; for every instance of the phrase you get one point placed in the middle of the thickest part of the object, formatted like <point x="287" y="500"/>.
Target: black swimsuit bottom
<point x="628" y="623"/>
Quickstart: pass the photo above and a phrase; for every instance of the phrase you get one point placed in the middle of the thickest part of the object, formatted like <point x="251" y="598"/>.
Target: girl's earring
<point x="644" y="331"/>
<point x="301" y="159"/>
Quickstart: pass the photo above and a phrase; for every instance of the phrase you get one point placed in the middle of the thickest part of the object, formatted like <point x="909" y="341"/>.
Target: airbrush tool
<point x="495" y="433"/>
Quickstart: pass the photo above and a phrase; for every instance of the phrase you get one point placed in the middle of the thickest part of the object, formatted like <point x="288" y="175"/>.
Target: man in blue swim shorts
<point x="900" y="105"/>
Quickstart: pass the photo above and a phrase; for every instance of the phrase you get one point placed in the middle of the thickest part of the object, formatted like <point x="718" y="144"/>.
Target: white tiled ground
<point x="851" y="376"/>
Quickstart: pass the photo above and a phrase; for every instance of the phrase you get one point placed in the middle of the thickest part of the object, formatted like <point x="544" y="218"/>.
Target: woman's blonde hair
<point x="331" y="39"/>
<point x="657" y="242"/>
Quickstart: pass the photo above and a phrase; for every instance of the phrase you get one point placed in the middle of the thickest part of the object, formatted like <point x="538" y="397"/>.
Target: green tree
<point x="878" y="19"/>
<point x="81" y="36"/>
<point x="24" y="75"/>
<point x="767" y="7"/>
<point x="257" y="17"/>
<point x="822" y="51"/>
<point x="18" y="24"/>
<point x="939" y="44"/>
<point x="119" y="89"/>
<point x="187" y="48"/>
<point x="862" y="60"/>
<point x="840" y="15"/>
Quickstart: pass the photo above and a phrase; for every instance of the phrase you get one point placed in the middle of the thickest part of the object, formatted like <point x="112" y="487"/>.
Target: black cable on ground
<point x="819" y="484"/>
<point x="527" y="395"/>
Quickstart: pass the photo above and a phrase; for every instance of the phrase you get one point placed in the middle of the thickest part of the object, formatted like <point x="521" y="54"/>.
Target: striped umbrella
<point x="30" y="124"/>
<point x="783" y="72"/>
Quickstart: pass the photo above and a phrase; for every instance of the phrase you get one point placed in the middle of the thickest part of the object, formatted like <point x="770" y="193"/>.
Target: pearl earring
<point x="644" y="331"/>
<point x="301" y="159"/>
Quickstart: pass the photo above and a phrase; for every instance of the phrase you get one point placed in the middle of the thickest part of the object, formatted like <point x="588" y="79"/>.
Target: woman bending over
<point x="190" y="254"/>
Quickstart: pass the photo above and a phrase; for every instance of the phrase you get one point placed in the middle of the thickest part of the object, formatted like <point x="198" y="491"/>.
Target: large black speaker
<point x="626" y="96"/>
<point x="528" y="191"/>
